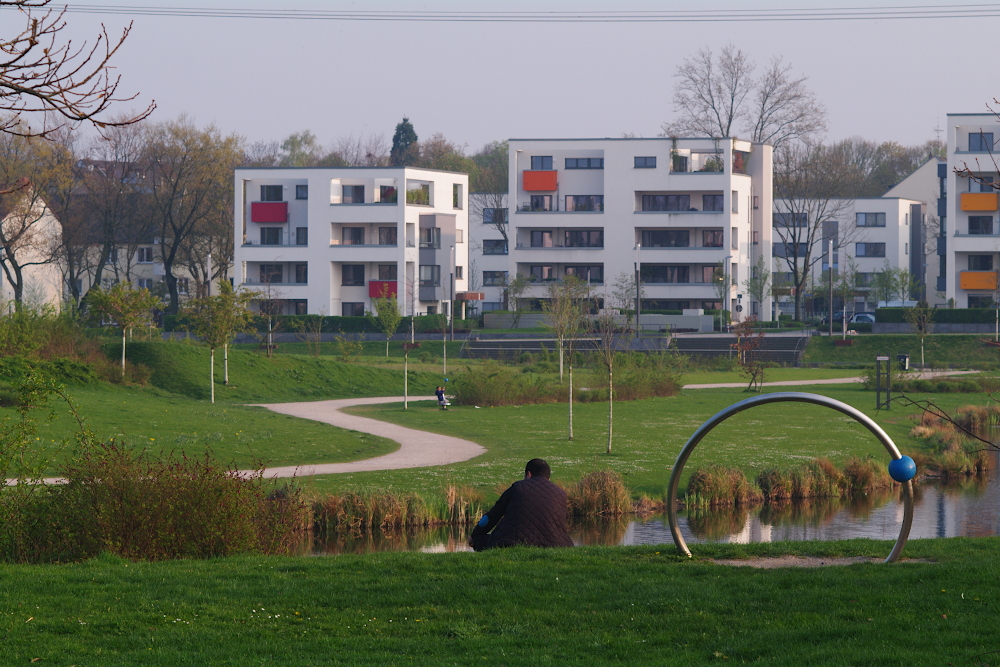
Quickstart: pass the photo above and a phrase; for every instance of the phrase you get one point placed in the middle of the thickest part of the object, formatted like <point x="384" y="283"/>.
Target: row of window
<point x="679" y="163"/>
<point x="801" y="219"/>
<point x="682" y="203"/>
<point x="799" y="249"/>
<point x="355" y="194"/>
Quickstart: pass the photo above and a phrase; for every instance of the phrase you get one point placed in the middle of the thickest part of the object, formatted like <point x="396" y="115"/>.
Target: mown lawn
<point x="582" y="606"/>
<point x="940" y="350"/>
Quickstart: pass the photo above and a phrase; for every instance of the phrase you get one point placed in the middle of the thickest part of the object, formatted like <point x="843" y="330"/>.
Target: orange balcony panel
<point x="978" y="280"/>
<point x="979" y="201"/>
<point x="539" y="181"/>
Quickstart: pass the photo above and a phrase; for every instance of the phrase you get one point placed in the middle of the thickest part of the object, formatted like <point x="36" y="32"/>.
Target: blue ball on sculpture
<point x="902" y="469"/>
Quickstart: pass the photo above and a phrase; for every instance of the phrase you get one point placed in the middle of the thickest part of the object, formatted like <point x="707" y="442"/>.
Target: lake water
<point x="970" y="508"/>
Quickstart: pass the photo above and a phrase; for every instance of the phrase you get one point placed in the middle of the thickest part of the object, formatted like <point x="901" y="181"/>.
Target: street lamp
<point x="638" y="291"/>
<point x="724" y="326"/>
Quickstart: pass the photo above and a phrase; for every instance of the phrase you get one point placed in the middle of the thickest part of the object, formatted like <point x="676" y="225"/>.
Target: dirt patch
<point x="806" y="561"/>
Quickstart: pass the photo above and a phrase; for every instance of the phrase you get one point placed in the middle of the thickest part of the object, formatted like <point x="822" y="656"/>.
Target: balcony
<point x="978" y="201"/>
<point x="381" y="289"/>
<point x="688" y="162"/>
<point x="269" y="211"/>
<point x="977" y="280"/>
<point x="539" y="181"/>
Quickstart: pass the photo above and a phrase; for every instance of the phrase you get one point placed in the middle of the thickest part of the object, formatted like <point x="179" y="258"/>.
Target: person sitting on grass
<point x="531" y="512"/>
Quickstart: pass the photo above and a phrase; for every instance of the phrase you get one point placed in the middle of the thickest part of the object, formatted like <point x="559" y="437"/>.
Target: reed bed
<point x="357" y="512"/>
<point x="601" y="493"/>
<point x="954" y="453"/>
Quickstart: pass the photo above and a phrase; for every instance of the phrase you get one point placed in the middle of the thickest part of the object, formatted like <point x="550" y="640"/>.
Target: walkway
<point x="417" y="449"/>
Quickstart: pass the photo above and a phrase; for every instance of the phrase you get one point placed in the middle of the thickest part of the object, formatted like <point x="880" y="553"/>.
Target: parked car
<point x="838" y="317"/>
<point x="863" y="317"/>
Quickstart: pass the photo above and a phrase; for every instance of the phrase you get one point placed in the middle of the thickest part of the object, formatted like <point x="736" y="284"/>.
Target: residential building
<point x="972" y="230"/>
<point x="681" y="210"/>
<point x="927" y="185"/>
<point x="32" y="236"/>
<point x="325" y="241"/>
<point x="488" y="251"/>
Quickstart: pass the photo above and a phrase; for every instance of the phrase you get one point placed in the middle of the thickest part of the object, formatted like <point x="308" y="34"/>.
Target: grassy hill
<point x="939" y="350"/>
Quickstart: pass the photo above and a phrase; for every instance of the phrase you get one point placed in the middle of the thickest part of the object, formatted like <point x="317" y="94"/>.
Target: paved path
<point x="417" y="449"/>
<point x="793" y="383"/>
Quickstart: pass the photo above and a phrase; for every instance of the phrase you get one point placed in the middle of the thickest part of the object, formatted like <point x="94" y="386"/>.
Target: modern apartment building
<point x="680" y="209"/>
<point x="325" y="241"/>
<point x="971" y="234"/>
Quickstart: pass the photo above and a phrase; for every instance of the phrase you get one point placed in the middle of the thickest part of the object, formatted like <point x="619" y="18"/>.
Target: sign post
<point x="883" y="375"/>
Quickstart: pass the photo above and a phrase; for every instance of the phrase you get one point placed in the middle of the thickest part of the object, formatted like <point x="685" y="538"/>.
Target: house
<point x="325" y="241"/>
<point x="29" y="252"/>
<point x="679" y="210"/>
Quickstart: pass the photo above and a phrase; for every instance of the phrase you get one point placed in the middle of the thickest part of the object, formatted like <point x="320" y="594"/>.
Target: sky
<point x="475" y="82"/>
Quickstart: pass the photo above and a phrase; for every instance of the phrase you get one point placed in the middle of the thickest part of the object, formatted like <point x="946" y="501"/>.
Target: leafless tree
<point x="370" y="150"/>
<point x="489" y="183"/>
<point x="566" y="307"/>
<point x="718" y="97"/>
<point x="41" y="72"/>
<point x="808" y="210"/>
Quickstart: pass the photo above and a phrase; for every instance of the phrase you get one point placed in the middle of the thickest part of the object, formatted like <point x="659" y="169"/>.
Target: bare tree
<point x="370" y="150"/>
<point x="718" y="97"/>
<point x="808" y="211"/>
<point x="40" y="72"/>
<point x="490" y="183"/>
<point x="565" y="307"/>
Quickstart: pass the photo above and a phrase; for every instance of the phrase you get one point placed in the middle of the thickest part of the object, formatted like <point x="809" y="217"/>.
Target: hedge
<point x="941" y="315"/>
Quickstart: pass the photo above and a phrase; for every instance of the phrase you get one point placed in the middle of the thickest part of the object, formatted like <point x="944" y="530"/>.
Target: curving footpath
<point x="417" y="449"/>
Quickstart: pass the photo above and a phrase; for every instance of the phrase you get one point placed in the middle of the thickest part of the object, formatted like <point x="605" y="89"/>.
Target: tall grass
<point x="954" y="453"/>
<point x="601" y="493"/>
<point x="356" y="512"/>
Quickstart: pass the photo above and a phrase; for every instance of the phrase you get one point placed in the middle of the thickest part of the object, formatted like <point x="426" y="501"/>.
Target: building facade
<point x="681" y="210"/>
<point x="326" y="241"/>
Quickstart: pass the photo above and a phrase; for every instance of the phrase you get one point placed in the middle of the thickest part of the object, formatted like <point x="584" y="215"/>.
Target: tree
<point x="807" y="211"/>
<point x="566" y="307"/>
<point x="191" y="187"/>
<point x="759" y="283"/>
<point x="512" y="292"/>
<point x="126" y="307"/>
<point x="42" y="72"/>
<point x="217" y="320"/>
<point x="717" y="97"/>
<point x="605" y="328"/>
<point x="489" y="181"/>
<point x="624" y="295"/>
<point x="747" y="346"/>
<point x="387" y="316"/>
<point x="405" y="150"/>
<point x="439" y="153"/>
<point x="921" y="318"/>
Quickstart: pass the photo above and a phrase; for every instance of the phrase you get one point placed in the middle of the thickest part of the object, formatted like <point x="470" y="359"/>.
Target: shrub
<point x="719" y="485"/>
<point x="492" y="385"/>
<point x="601" y="493"/>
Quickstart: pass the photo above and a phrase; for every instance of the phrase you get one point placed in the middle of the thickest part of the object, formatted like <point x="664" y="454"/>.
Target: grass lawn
<point x="771" y="375"/>
<point x="940" y="350"/>
<point x="582" y="606"/>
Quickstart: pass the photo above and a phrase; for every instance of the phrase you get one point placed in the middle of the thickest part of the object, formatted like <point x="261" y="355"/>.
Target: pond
<point x="969" y="508"/>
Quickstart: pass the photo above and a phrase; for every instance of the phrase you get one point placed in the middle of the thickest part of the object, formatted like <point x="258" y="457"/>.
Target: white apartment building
<point x="679" y="208"/>
<point x="324" y="241"/>
<point x="972" y="232"/>
<point x="872" y="231"/>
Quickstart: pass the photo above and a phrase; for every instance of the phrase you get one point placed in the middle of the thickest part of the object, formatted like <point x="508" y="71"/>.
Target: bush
<point x="940" y="315"/>
<point x="601" y="493"/>
<point x="492" y="385"/>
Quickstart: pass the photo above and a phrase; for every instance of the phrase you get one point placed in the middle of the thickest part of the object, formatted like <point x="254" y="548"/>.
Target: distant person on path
<point x="442" y="401"/>
<point x="531" y="512"/>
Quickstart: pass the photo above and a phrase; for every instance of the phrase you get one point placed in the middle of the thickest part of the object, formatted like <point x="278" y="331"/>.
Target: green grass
<point x="771" y="375"/>
<point x="939" y="349"/>
<point x="372" y="351"/>
<point x="582" y="606"/>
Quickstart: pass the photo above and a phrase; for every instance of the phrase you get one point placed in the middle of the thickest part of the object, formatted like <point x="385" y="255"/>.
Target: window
<point x="711" y="238"/>
<point x="790" y="219"/>
<point x="584" y="238"/>
<point x="980" y="301"/>
<point x="494" y="278"/>
<point x="184" y="285"/>
<point x="271" y="274"/>
<point x="755" y="236"/>
<point x="354" y="194"/>
<point x="712" y="203"/>
<point x="983" y="184"/>
<point x="301" y="306"/>
<point x="541" y="238"/>
<point x="980" y="224"/>
<point x="146" y="283"/>
<point x="981" y="141"/>
<point x="352" y="274"/>
<point x="664" y="273"/>
<point x="430" y="275"/>
<point x="301" y="236"/>
<point x="679" y="163"/>
<point x="494" y="247"/>
<point x="734" y="197"/>
<point x="710" y="274"/>
<point x="456" y="196"/>
<point x="459" y="272"/>
<point x="494" y="216"/>
<point x="585" y="162"/>
<point x="387" y="194"/>
<point x="666" y="202"/>
<point x="870" y="219"/>
<point x="301" y="273"/>
<point x="864" y="279"/>
<point x="387" y="272"/>
<point x="645" y="162"/>
<point x="734" y="238"/>
<point x="490" y="306"/>
<point x="271" y="193"/>
<point x="980" y="262"/>
<point x="145" y="256"/>
<point x="387" y="236"/>
<point x="543" y="272"/>
<point x="541" y="162"/>
<point x="353" y="235"/>
<point x="302" y="192"/>
<point x="541" y="202"/>
<point x="789" y="249"/>
<point x="869" y="250"/>
<point x="584" y="202"/>
<point x="270" y="235"/>
<point x="418" y="193"/>
<point x="666" y="238"/>
<point x="459" y="236"/>
<point x="352" y="309"/>
<point x="430" y="237"/>
<point x="593" y="273"/>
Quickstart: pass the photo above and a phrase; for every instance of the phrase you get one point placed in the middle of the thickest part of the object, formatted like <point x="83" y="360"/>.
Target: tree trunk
<point x="225" y="364"/>
<point x="211" y="373"/>
<point x="387" y="346"/>
<point x="406" y="379"/>
<point x="561" y="363"/>
<point x="611" y="404"/>
<point x="570" y="399"/>
<point x="123" y="353"/>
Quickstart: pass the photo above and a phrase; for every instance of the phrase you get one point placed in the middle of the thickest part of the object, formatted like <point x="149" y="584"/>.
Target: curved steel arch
<point x="779" y="397"/>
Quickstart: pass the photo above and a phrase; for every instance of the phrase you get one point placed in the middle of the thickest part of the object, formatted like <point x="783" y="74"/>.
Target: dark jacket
<point x="531" y="512"/>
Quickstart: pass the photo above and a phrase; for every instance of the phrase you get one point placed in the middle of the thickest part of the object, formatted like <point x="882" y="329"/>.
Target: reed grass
<point x="601" y="493"/>
<point x="357" y="512"/>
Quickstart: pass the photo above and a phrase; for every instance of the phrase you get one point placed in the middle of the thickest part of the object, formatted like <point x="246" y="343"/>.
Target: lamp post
<point x="728" y="285"/>
<point x="451" y="296"/>
<point x="829" y="264"/>
<point x="638" y="291"/>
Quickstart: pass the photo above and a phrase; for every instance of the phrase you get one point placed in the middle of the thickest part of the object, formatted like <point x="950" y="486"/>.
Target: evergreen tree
<point x="405" y="150"/>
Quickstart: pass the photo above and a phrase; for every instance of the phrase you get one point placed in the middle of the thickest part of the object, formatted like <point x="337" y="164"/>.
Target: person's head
<point x="537" y="468"/>
<point x="440" y="388"/>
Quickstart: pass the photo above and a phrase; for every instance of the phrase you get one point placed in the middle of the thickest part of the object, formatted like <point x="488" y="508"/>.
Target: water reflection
<point x="968" y="508"/>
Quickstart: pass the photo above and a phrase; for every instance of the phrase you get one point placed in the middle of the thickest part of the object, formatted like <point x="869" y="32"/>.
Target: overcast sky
<point x="886" y="80"/>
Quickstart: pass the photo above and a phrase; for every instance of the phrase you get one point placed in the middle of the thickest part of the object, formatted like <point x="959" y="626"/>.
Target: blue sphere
<point x="902" y="469"/>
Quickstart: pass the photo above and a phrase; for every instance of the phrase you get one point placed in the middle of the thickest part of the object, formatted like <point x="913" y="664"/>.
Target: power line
<point x="613" y="16"/>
